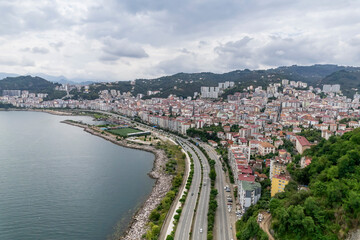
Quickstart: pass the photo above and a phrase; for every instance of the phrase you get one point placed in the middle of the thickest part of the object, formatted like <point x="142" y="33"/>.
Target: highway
<point x="184" y="226"/>
<point x="222" y="218"/>
<point x="203" y="206"/>
<point x="185" y="222"/>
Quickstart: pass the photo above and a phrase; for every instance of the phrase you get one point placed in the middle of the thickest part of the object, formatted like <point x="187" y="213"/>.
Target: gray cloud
<point x="40" y="50"/>
<point x="56" y="45"/>
<point x="21" y="16"/>
<point x="36" y="50"/>
<point x="149" y="38"/>
<point x="115" y="49"/>
<point x="183" y="63"/>
<point x="11" y="61"/>
<point x="275" y="51"/>
<point x="236" y="54"/>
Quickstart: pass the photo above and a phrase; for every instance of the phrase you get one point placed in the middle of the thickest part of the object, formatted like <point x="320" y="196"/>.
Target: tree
<point x="212" y="174"/>
<point x="154" y="216"/>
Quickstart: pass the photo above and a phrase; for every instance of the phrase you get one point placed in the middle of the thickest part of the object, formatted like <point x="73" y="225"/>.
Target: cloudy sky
<point x="128" y="39"/>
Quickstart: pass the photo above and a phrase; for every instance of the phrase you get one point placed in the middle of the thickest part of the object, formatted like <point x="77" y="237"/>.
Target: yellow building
<point x="278" y="183"/>
<point x="276" y="168"/>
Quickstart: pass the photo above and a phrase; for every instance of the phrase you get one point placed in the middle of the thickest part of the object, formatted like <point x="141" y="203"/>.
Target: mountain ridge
<point x="186" y="84"/>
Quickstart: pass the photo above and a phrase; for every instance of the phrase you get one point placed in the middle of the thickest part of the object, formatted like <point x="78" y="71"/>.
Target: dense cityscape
<point x="180" y="120"/>
<point x="258" y="133"/>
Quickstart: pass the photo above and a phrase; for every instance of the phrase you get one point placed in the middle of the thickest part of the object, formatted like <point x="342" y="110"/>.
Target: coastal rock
<point x="138" y="225"/>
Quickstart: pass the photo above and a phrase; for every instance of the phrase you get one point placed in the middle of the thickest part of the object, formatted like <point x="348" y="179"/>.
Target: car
<point x="192" y="194"/>
<point x="201" y="230"/>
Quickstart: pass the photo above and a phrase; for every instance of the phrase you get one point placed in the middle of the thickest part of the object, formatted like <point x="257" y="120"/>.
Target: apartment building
<point x="278" y="183"/>
<point x="266" y="148"/>
<point x="249" y="193"/>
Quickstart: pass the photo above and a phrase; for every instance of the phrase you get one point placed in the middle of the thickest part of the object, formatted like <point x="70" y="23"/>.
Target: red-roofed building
<point x="244" y="169"/>
<point x="212" y="143"/>
<point x="246" y="177"/>
<point x="305" y="161"/>
<point x="302" y="144"/>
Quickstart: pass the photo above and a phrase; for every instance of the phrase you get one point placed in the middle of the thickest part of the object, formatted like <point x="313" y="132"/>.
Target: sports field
<point x="123" y="131"/>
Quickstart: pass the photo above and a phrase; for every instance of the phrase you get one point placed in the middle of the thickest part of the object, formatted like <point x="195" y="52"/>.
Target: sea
<point x="60" y="182"/>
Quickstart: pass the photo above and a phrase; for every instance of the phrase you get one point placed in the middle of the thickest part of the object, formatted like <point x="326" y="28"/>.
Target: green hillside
<point x="312" y="74"/>
<point x="348" y="80"/>
<point x="185" y="84"/>
<point x="329" y="209"/>
<point x="31" y="84"/>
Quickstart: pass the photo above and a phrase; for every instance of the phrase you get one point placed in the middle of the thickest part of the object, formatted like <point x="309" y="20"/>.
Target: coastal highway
<point x="200" y="221"/>
<point x="184" y="226"/>
<point x="222" y="221"/>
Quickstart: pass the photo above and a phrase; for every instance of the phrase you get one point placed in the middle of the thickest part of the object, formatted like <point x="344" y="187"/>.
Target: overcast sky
<point x="129" y="39"/>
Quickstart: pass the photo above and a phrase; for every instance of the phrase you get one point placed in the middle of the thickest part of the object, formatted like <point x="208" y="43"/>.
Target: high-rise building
<point x="331" y="88"/>
<point x="12" y="93"/>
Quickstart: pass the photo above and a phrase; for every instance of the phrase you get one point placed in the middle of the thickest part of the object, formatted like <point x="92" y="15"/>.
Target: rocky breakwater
<point x="138" y="225"/>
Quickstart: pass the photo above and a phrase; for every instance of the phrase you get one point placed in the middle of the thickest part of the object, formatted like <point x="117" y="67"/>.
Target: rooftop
<point x="250" y="186"/>
<point x="303" y="141"/>
<point x="246" y="177"/>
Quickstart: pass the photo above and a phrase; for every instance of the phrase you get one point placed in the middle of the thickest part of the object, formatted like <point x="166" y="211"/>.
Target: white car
<point x="200" y="230"/>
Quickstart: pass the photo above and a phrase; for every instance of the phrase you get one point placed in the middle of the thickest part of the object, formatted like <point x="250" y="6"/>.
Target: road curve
<point x="184" y="226"/>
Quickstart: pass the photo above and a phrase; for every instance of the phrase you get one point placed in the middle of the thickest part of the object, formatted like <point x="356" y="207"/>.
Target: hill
<point x="330" y="208"/>
<point x="314" y="73"/>
<point x="185" y="84"/>
<point x="348" y="80"/>
<point x="31" y="84"/>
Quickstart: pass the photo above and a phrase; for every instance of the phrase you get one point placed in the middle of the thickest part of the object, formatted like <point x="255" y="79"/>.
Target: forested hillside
<point x="185" y="84"/>
<point x="348" y="80"/>
<point x="330" y="208"/>
<point x="31" y="84"/>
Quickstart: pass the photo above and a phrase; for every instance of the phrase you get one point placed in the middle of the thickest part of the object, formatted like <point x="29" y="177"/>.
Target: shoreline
<point x="52" y="112"/>
<point x="137" y="226"/>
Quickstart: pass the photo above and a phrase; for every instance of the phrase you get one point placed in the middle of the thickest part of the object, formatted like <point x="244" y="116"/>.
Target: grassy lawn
<point x="123" y="132"/>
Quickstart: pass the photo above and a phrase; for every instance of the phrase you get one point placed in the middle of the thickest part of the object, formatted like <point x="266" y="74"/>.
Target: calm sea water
<point x="59" y="182"/>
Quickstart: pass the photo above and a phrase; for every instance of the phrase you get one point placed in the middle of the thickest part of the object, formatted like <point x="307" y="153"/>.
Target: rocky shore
<point x="54" y="112"/>
<point x="138" y="225"/>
